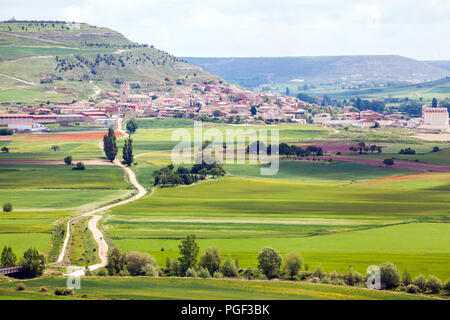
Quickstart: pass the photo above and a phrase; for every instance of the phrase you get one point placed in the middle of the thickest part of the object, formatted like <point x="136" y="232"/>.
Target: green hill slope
<point x="61" y="61"/>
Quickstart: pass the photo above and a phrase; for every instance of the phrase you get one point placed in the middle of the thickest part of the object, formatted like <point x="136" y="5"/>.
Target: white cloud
<point x="414" y="28"/>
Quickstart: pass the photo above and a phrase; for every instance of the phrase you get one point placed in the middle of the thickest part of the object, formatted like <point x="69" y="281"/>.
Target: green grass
<point x="195" y="289"/>
<point x="242" y="215"/>
<point x="295" y="170"/>
<point x="16" y="176"/>
<point x="82" y="246"/>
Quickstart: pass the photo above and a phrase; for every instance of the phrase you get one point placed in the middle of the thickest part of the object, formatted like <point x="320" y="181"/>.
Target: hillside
<point x="443" y="64"/>
<point x="61" y="61"/>
<point x="344" y="70"/>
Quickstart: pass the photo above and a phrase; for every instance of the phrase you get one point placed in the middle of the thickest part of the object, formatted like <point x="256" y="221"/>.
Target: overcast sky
<point x="417" y="29"/>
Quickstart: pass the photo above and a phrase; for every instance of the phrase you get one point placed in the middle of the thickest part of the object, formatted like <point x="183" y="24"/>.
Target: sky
<point x="419" y="29"/>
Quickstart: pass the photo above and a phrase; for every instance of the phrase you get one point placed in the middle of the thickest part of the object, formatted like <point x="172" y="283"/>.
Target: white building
<point x="435" y="117"/>
<point x="27" y="127"/>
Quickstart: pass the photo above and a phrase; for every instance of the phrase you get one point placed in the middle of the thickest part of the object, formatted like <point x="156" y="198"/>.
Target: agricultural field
<point x="194" y="289"/>
<point x="44" y="195"/>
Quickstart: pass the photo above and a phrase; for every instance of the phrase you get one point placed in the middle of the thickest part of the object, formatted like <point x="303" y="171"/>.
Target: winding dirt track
<point x="92" y="224"/>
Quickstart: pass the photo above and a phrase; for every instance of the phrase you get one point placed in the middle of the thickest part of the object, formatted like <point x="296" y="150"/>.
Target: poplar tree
<point x="127" y="152"/>
<point x="109" y="145"/>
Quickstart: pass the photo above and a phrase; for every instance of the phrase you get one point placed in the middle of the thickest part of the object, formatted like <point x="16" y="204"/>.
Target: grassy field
<point x="242" y="215"/>
<point x="82" y="246"/>
<point x="194" y="289"/>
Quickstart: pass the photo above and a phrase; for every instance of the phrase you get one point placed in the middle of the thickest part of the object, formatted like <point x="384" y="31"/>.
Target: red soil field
<point x="78" y="136"/>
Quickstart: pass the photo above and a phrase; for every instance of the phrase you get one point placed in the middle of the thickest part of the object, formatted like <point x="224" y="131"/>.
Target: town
<point x="209" y="100"/>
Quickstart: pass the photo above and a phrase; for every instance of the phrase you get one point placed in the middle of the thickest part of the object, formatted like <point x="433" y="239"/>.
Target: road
<point x="17" y="79"/>
<point x="92" y="224"/>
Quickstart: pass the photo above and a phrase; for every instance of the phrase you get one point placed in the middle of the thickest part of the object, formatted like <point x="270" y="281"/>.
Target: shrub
<point x="406" y="279"/>
<point x="325" y="280"/>
<point x="354" y="277"/>
<point x="211" y="260"/>
<point x="7" y="207"/>
<point x="68" y="160"/>
<point x="63" y="292"/>
<point x="303" y="275"/>
<point x="433" y="284"/>
<point x="102" y="272"/>
<point x="292" y="264"/>
<point x="435" y="149"/>
<point x="139" y="264"/>
<point x="151" y="270"/>
<point x="79" y="166"/>
<point x="315" y="280"/>
<point x="203" y="273"/>
<point x="447" y="285"/>
<point x="43" y="289"/>
<point x="20" y="287"/>
<point x="190" y="273"/>
<point x="229" y="268"/>
<point x="269" y="262"/>
<point x="218" y="275"/>
<point x="318" y="272"/>
<point x="390" y="275"/>
<point x="88" y="272"/>
<point x="33" y="263"/>
<point x="388" y="162"/>
<point x="420" y="282"/>
<point x="412" y="288"/>
<point x="338" y="282"/>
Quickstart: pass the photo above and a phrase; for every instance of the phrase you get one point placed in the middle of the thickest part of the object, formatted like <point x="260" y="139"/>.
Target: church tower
<point x="124" y="92"/>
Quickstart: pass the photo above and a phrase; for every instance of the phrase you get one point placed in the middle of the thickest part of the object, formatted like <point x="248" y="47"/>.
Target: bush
<point x="102" y="272"/>
<point x="7" y="207"/>
<point x="229" y="268"/>
<point x="318" y="272"/>
<point x="338" y="282"/>
<point x="406" y="279"/>
<point x="211" y="260"/>
<point x="435" y="149"/>
<point x="388" y="162"/>
<point x="325" y="280"/>
<point x="151" y="270"/>
<point x="20" y="287"/>
<point x="390" y="276"/>
<point x="354" y="277"/>
<point x="269" y="262"/>
<point x="203" y="273"/>
<point x="218" y="275"/>
<point x="79" y="166"/>
<point x="315" y="280"/>
<point x="139" y="264"/>
<point x="190" y="273"/>
<point x="63" y="292"/>
<point x="411" y="288"/>
<point x="447" y="285"/>
<point x="420" y="282"/>
<point x="68" y="160"/>
<point x="33" y="263"/>
<point x="292" y="264"/>
<point x="433" y="284"/>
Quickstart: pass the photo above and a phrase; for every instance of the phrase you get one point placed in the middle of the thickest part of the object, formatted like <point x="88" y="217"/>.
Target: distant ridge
<point x="253" y="72"/>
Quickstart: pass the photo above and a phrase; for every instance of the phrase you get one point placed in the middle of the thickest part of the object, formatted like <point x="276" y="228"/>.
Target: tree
<point x="434" y="103"/>
<point x="388" y="162"/>
<point x="217" y="113"/>
<point x="189" y="253"/>
<point x="269" y="262"/>
<point x="109" y="145"/>
<point x="33" y="263"/>
<point x="68" y="160"/>
<point x="8" y="257"/>
<point x="253" y="110"/>
<point x="433" y="284"/>
<point x="132" y="126"/>
<point x="390" y="275"/>
<point x="127" y="152"/>
<point x="292" y="264"/>
<point x="420" y="282"/>
<point x="211" y="260"/>
<point x="216" y="172"/>
<point x="54" y="148"/>
<point x="229" y="268"/>
<point x="7" y="207"/>
<point x="116" y="261"/>
<point x="79" y="166"/>
<point x="435" y="149"/>
<point x="139" y="264"/>
<point x="5" y="149"/>
<point x="406" y="279"/>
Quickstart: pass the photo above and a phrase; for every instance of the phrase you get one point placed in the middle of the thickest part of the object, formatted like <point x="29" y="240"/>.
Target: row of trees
<point x="285" y="149"/>
<point x="271" y="265"/>
<point x="168" y="176"/>
<point x="110" y="147"/>
<point x="362" y="147"/>
<point x="32" y="262"/>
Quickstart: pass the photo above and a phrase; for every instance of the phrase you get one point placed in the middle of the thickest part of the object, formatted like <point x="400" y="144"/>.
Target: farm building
<point x="436" y="117"/>
<point x="27" y="127"/>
